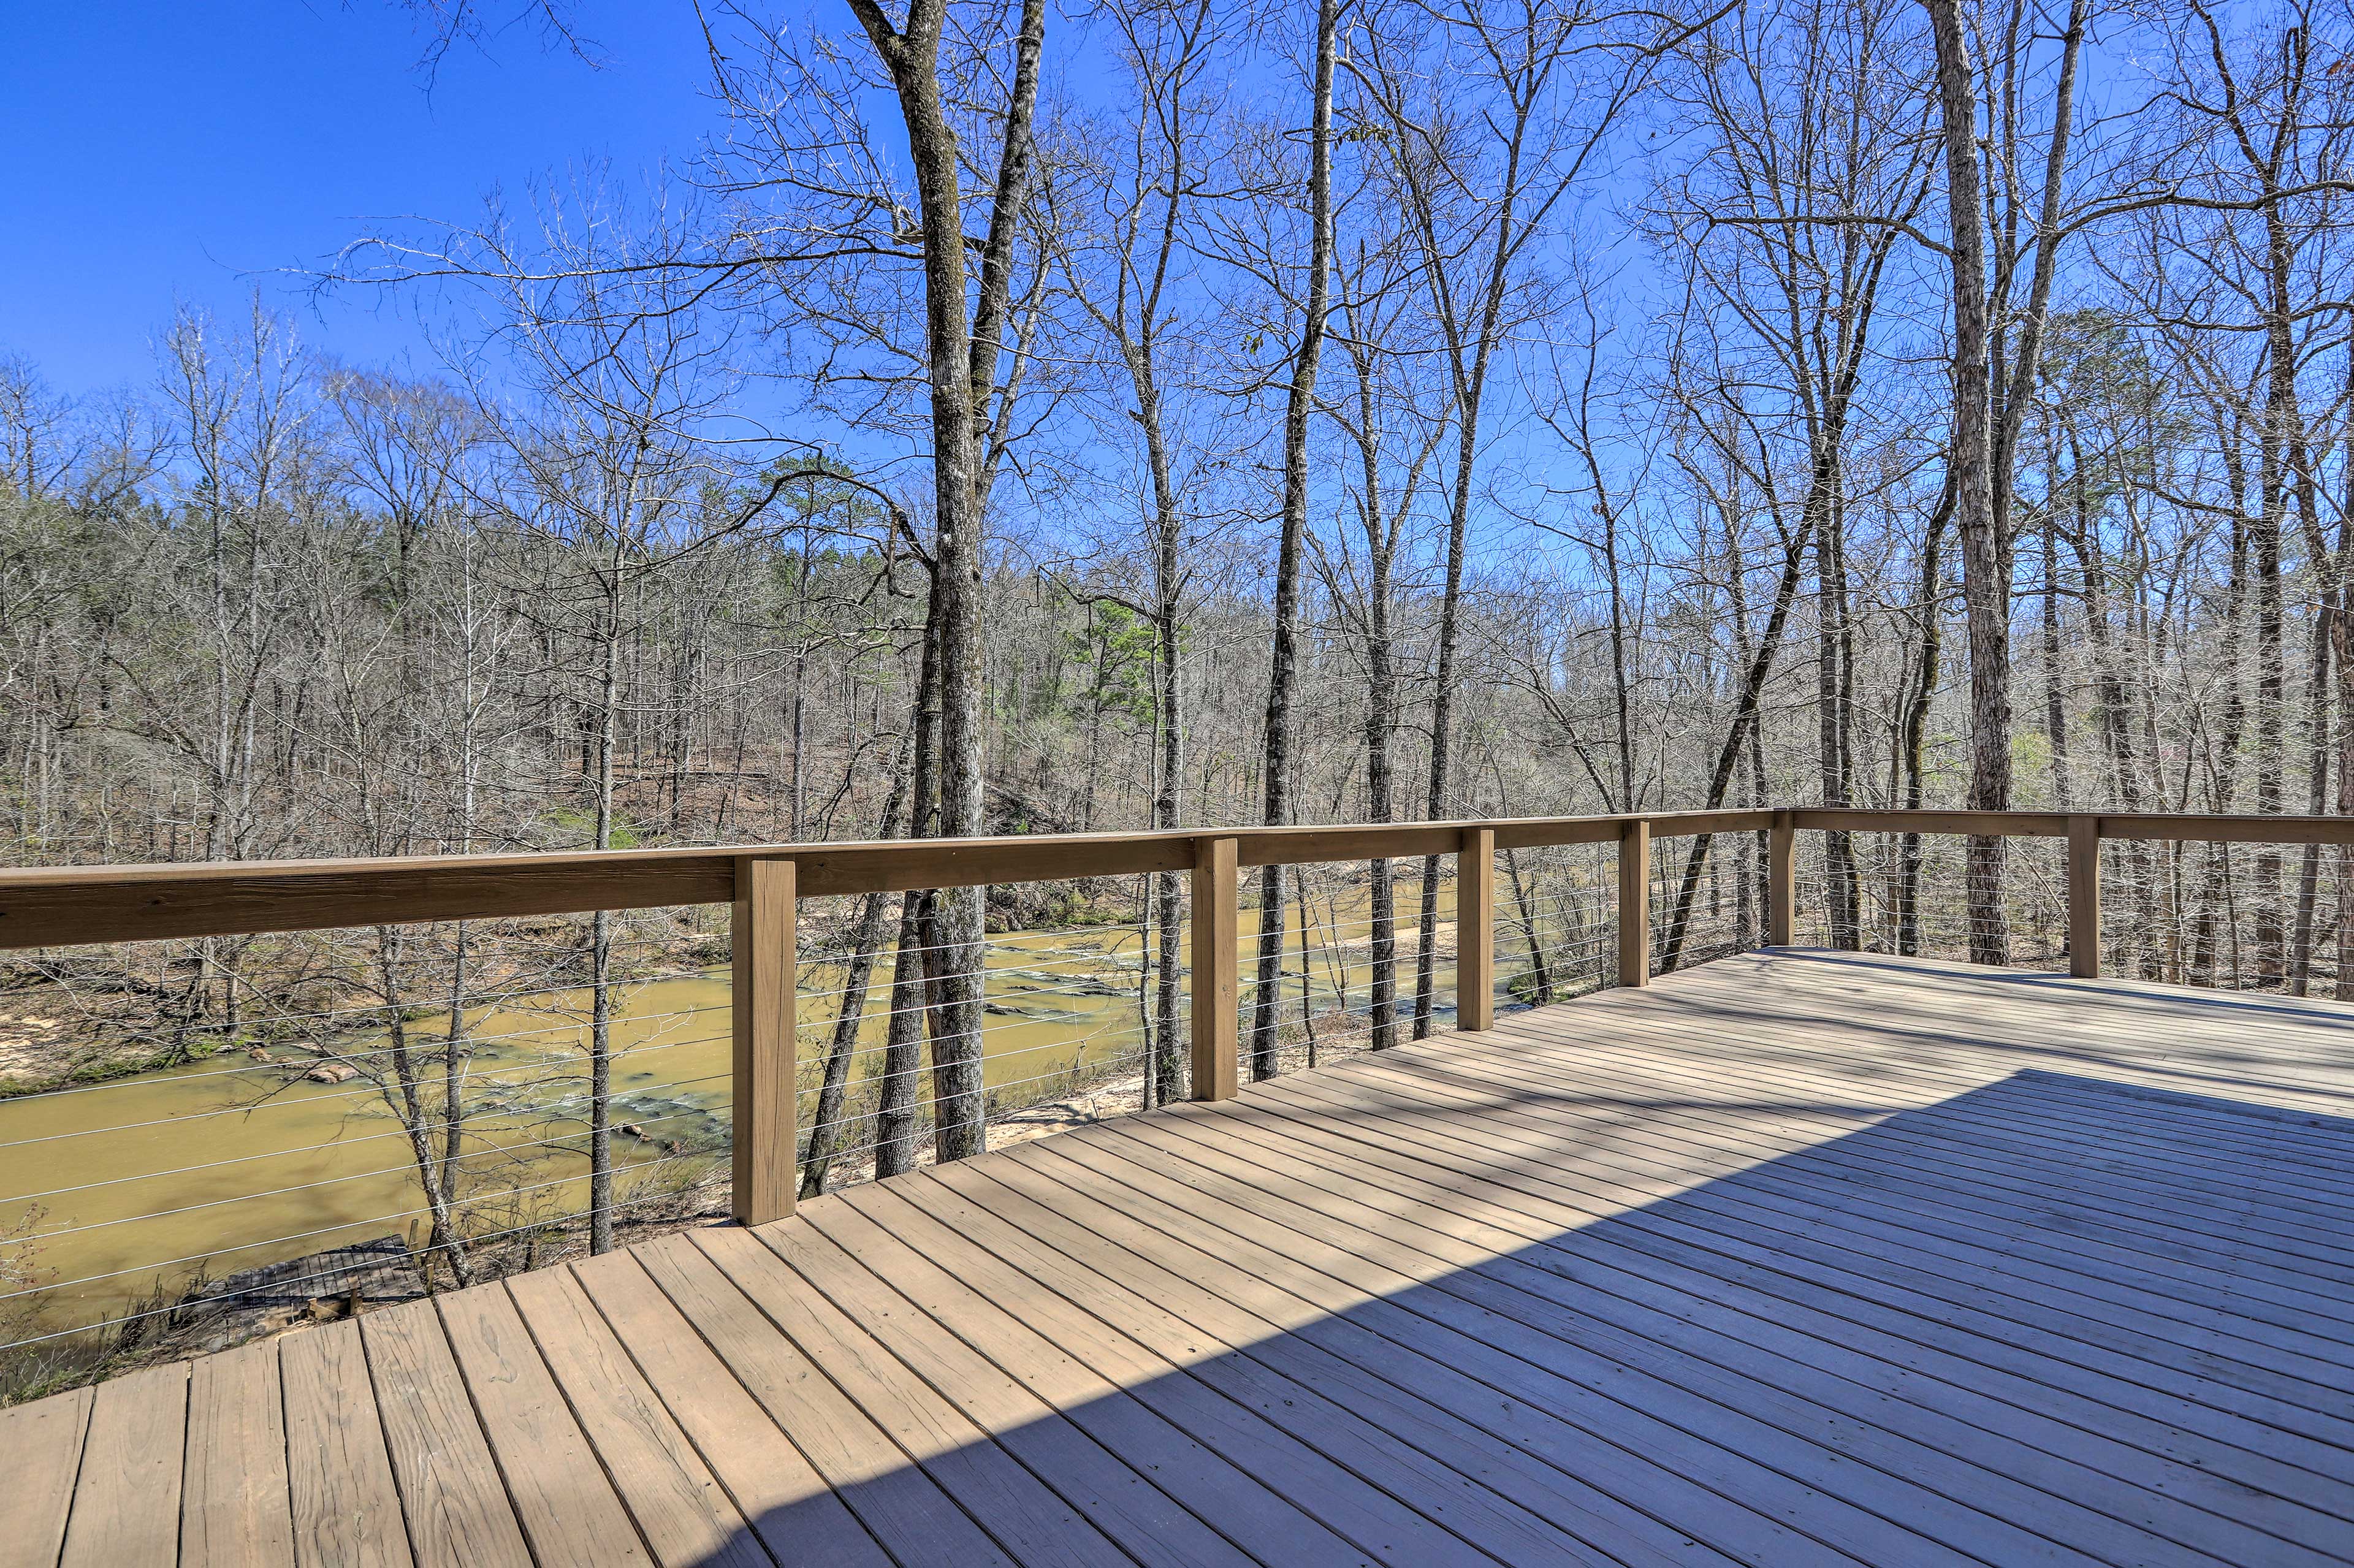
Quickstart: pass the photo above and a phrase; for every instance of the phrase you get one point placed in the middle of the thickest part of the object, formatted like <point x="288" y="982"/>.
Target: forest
<point x="1175" y="413"/>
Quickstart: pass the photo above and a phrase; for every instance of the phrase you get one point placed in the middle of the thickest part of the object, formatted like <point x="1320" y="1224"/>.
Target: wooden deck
<point x="1795" y="1258"/>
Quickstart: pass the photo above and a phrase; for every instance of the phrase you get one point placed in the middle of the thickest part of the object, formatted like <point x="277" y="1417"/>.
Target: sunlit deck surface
<point x="1793" y="1258"/>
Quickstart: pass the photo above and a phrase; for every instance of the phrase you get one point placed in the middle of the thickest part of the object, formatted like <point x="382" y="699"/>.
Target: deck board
<point x="456" y="1505"/>
<point x="233" y="1507"/>
<point x="1791" y="1257"/>
<point x="1857" y="1206"/>
<point x="1822" y="1197"/>
<point x="1026" y="1516"/>
<point x="2085" y="1272"/>
<point x="1345" y="1270"/>
<point x="900" y="1504"/>
<point x="1488" y="1433"/>
<point x="2007" y="1443"/>
<point x="1116" y="1326"/>
<point x="1182" y="1313"/>
<point x="786" y="1502"/>
<point x="680" y="1508"/>
<point x="562" y="1496"/>
<point x="130" y="1465"/>
<point x="43" y="1442"/>
<point x="1440" y="1369"/>
<point x="341" y="1492"/>
<point x="924" y="1331"/>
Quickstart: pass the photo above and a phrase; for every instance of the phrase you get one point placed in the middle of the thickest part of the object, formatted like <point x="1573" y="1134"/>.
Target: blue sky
<point x="162" y="152"/>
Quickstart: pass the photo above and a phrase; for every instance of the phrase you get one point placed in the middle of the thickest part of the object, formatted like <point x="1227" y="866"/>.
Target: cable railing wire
<point x="474" y="1118"/>
<point x="1055" y="965"/>
<point x="571" y="1217"/>
<point x="505" y="1195"/>
<point x="873" y="1077"/>
<point x="403" y="1170"/>
<point x="277" y="1101"/>
<point x="439" y="1005"/>
<point x="428" y="1042"/>
<point x="928" y="1101"/>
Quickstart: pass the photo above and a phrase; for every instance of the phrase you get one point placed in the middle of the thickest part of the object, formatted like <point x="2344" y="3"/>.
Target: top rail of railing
<point x="55" y="907"/>
<point x="69" y="905"/>
<point x="2194" y="827"/>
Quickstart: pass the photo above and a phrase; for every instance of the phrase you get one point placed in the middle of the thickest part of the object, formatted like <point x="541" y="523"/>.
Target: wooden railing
<point x="64" y="906"/>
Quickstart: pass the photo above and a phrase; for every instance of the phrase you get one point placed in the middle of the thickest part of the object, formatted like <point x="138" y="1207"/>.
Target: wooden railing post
<point x="1635" y="903"/>
<point x="1216" y="935"/>
<point x="762" y="965"/>
<point x="1475" y="929"/>
<point x="1781" y="881"/>
<point x="2083" y="895"/>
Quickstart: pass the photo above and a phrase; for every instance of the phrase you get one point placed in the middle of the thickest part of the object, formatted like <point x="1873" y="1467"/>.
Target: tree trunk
<point x="1283" y="659"/>
<point x="1166" y="799"/>
<point x="1746" y="721"/>
<point x="1985" y="581"/>
<point x="2055" y="706"/>
<point x="825" y="1131"/>
<point x="962" y="357"/>
<point x="912" y="966"/>
<point x="2341" y="647"/>
<point x="1930" y="600"/>
<point x="1830" y="711"/>
<point x="416" y="1120"/>
<point x="1523" y="899"/>
<point x="601" y="939"/>
<point x="453" y="1092"/>
<point x="1381" y="725"/>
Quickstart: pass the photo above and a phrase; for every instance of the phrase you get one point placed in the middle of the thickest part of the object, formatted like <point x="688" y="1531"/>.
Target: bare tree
<point x="1492" y="112"/>
<point x="1277" y="759"/>
<point x="1125" y="223"/>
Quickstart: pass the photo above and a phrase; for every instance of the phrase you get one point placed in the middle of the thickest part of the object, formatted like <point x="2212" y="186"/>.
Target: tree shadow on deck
<point x="1429" y="1315"/>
